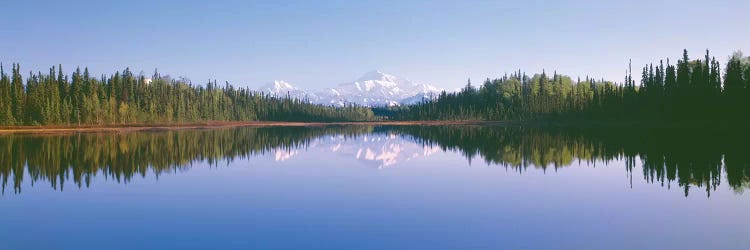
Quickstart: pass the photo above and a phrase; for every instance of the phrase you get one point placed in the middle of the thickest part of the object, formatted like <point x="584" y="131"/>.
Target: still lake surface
<point x="377" y="187"/>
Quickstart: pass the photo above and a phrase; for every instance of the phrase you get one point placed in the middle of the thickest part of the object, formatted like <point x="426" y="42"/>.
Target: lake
<point x="377" y="187"/>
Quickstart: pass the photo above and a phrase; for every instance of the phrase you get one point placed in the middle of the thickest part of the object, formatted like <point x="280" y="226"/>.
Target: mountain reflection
<point x="685" y="158"/>
<point x="81" y="157"/>
<point x="379" y="149"/>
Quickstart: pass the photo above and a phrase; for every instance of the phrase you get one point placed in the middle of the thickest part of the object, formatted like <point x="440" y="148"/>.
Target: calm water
<point x="377" y="188"/>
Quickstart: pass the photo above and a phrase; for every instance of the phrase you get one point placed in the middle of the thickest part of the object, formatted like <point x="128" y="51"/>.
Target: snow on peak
<point x="284" y="89"/>
<point x="374" y="88"/>
<point x="277" y="87"/>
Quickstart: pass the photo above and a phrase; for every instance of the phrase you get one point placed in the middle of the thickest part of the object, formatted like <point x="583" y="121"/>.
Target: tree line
<point x="53" y="98"/>
<point x="691" y="90"/>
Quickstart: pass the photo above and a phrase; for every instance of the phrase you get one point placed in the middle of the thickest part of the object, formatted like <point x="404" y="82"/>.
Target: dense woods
<point x="124" y="98"/>
<point x="690" y="90"/>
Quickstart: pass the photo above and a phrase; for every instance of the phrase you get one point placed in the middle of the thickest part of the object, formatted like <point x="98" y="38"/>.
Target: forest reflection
<point x="81" y="157"/>
<point x="685" y="158"/>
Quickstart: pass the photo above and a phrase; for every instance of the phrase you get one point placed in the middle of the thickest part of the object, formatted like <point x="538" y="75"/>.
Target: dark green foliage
<point x="124" y="98"/>
<point x="686" y="92"/>
<point x="515" y="97"/>
<point x="6" y="104"/>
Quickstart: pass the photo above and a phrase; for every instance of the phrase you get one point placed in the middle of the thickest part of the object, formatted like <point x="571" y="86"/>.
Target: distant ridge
<point x="374" y="88"/>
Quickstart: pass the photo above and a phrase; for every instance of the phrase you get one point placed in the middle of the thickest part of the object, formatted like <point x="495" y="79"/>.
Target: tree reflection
<point x="81" y="157"/>
<point x="689" y="158"/>
<point x="671" y="158"/>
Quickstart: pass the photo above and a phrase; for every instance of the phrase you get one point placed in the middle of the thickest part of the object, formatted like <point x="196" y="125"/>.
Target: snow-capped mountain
<point x="374" y="88"/>
<point x="282" y="89"/>
<point x="277" y="87"/>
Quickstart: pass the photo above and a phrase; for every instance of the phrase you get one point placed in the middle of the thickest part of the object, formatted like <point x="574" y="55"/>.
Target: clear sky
<point x="316" y="44"/>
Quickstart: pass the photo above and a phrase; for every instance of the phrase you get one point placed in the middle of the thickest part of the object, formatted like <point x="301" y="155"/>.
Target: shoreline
<point x="144" y="127"/>
<point x="68" y="129"/>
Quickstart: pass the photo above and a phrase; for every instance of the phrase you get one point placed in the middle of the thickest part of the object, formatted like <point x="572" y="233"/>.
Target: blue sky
<point x="322" y="43"/>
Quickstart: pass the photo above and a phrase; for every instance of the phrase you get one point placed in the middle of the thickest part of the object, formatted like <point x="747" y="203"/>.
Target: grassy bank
<point x="118" y="128"/>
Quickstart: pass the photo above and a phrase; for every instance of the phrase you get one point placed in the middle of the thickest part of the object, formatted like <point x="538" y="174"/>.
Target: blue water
<point x="374" y="191"/>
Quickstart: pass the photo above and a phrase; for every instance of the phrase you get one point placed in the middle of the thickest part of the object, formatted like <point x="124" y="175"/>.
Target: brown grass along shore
<point x="214" y="124"/>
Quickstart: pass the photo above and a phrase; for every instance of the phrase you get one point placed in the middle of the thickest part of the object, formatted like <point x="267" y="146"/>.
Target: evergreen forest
<point x="54" y="98"/>
<point x="689" y="90"/>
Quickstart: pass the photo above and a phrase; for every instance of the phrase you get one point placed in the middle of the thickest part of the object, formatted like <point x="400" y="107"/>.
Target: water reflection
<point x="686" y="159"/>
<point x="81" y="157"/>
<point x="379" y="149"/>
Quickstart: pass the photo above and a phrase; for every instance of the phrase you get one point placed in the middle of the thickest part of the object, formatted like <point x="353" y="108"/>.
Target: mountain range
<point x="374" y="88"/>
